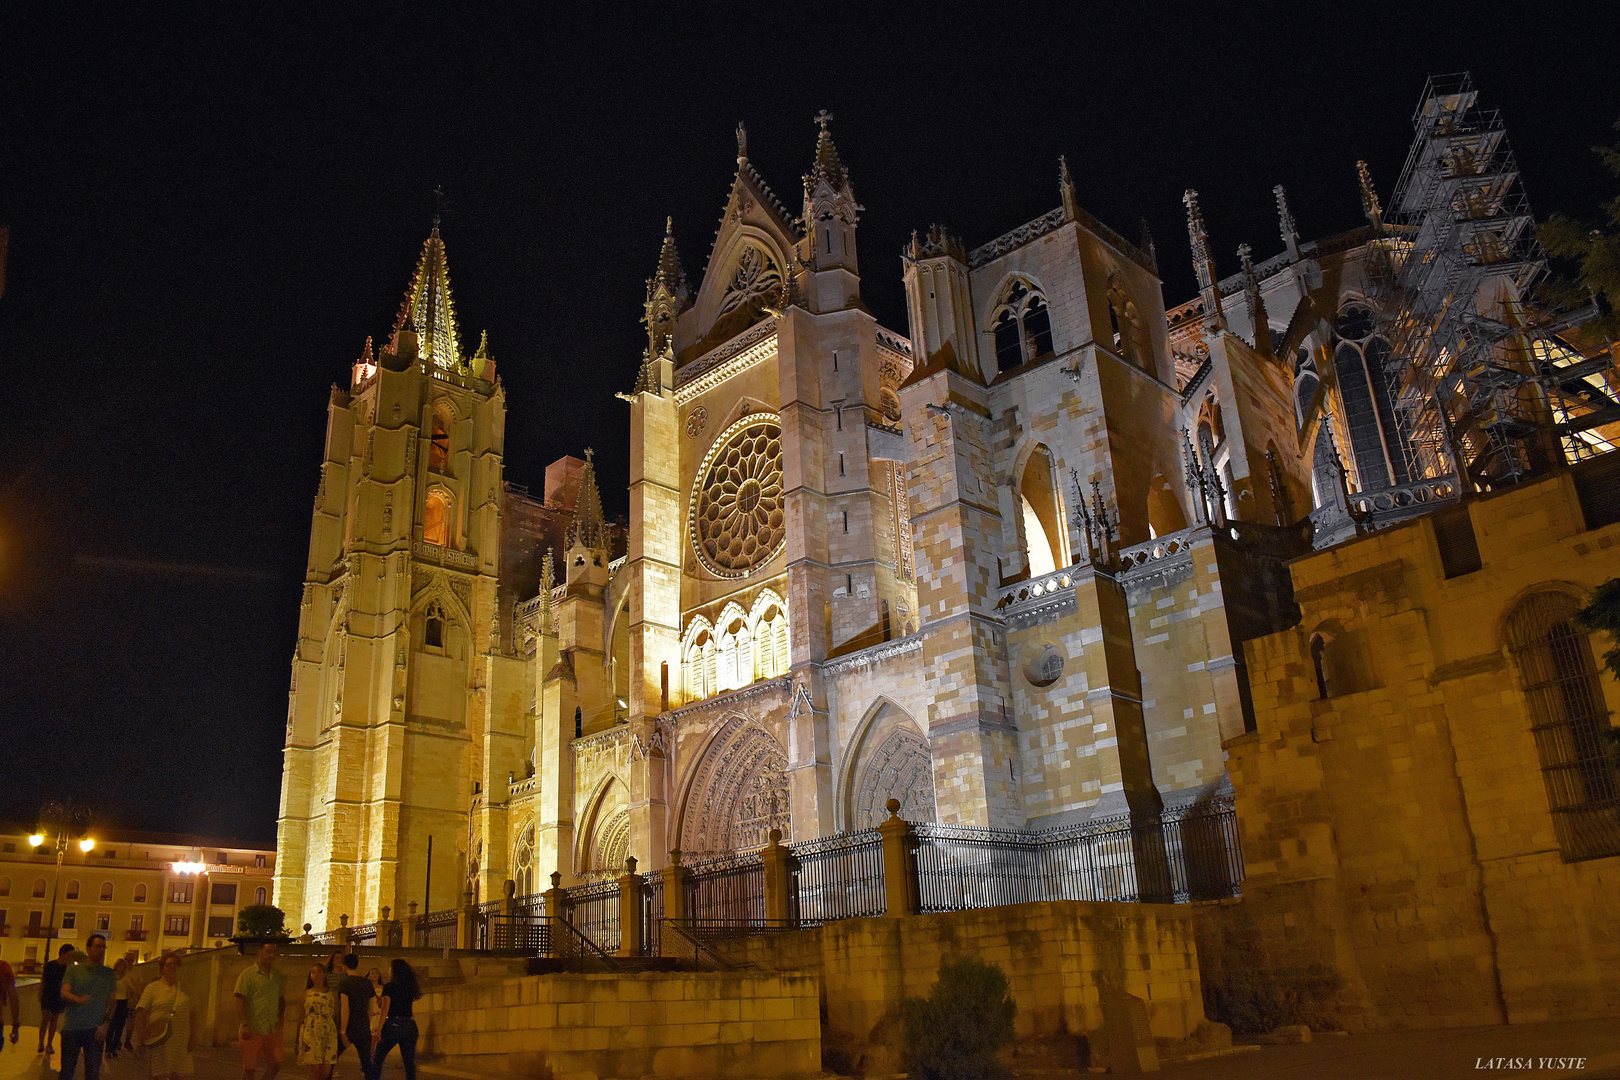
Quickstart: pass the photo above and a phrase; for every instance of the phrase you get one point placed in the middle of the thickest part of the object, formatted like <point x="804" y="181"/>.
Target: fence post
<point x="899" y="864"/>
<point x="556" y="901"/>
<point x="387" y="930"/>
<point x="415" y="930"/>
<point x="778" y="882"/>
<point x="675" y="876"/>
<point x="467" y="923"/>
<point x="343" y="932"/>
<point x="631" y="926"/>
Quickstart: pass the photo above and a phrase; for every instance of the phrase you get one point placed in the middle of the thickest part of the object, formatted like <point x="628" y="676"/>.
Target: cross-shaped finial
<point x="588" y="453"/>
<point x="823" y="118"/>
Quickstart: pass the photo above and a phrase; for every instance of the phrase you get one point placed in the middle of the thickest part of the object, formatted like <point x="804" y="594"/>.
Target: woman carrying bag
<point x="166" y="1024"/>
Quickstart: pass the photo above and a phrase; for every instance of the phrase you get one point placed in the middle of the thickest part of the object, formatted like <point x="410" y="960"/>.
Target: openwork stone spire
<point x="588" y="530"/>
<point x="428" y="310"/>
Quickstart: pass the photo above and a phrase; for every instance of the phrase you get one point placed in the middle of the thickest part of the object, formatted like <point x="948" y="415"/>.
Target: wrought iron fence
<point x="1186" y="854"/>
<point x="729" y="888"/>
<point x="652" y="915"/>
<point x="364" y="933"/>
<point x="437" y="930"/>
<point x="838" y="877"/>
<point x="593" y="910"/>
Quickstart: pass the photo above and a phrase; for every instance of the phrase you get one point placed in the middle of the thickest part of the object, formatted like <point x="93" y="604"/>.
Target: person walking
<point x="8" y="999"/>
<point x="132" y="988"/>
<point x="261" y="1002"/>
<point x="50" y="997"/>
<point x="399" y="1025"/>
<point x="374" y="977"/>
<point x="87" y="988"/>
<point x="165" y="1026"/>
<point x="355" y="1001"/>
<point x="317" y="1031"/>
<point x="120" y="1017"/>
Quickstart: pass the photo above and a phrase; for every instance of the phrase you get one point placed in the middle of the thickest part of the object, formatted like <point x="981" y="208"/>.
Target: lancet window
<point x="1022" y="325"/>
<point x="439" y="443"/>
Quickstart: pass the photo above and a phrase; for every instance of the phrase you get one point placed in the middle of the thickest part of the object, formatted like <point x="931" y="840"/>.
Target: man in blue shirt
<point x="88" y="990"/>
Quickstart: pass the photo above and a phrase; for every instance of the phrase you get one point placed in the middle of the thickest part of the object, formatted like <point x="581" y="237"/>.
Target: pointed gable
<point x="749" y="265"/>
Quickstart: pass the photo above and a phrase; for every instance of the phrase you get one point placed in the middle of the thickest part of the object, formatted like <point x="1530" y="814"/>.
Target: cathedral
<point x="998" y="565"/>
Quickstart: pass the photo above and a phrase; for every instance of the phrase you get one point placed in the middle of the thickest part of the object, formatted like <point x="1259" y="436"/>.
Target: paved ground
<point x="19" y="1062"/>
<point x="1404" y="1055"/>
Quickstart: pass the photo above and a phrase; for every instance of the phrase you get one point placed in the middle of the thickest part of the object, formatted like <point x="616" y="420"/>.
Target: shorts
<point x="265" y="1048"/>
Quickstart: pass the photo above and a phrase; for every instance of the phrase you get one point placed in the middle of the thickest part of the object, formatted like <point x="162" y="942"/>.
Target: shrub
<point x="955" y="1033"/>
<point x="261" y="921"/>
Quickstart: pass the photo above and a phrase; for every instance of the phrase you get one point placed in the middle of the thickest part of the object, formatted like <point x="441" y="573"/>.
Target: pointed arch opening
<point x="436" y="518"/>
<point x="439" y="440"/>
<point x="737" y="792"/>
<point x="889" y="758"/>
<point x="1046" y="542"/>
<point x="1021" y="325"/>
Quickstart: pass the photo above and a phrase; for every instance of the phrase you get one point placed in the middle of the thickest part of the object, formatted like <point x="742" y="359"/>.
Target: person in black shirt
<point x="50" y="996"/>
<point x="399" y="1026"/>
<point x="354" y="1012"/>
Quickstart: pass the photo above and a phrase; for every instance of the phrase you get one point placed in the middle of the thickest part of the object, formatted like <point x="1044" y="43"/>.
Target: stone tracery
<point x="738" y="516"/>
<point x="900" y="768"/>
<point x="757" y="279"/>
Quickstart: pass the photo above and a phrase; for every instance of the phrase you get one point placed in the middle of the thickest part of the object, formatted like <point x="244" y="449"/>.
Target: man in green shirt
<point x="87" y="988"/>
<point x="261" y="1001"/>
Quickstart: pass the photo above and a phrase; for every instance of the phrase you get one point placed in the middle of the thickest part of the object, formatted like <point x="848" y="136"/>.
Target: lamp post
<point x="61" y="824"/>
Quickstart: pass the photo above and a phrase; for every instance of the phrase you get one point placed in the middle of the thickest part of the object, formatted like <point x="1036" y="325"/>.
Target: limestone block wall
<point x="1398" y="830"/>
<point x="685" y="1024"/>
<point x="1059" y="956"/>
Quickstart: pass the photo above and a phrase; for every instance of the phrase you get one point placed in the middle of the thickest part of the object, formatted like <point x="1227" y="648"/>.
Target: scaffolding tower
<point x="1471" y="393"/>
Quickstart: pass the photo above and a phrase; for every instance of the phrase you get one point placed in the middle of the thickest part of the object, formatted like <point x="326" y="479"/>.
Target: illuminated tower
<point x="392" y="695"/>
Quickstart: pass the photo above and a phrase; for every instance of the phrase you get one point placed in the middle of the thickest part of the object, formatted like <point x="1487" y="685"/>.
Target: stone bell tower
<point x="385" y="715"/>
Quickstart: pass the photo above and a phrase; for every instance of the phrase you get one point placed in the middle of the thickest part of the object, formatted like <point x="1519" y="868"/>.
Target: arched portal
<point x="889" y="759"/>
<point x="737" y="794"/>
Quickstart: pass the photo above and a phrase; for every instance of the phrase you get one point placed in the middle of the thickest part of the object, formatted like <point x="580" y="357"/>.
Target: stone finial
<point x="307" y="928"/>
<point x="1203" y="261"/>
<point x="1257" y="305"/>
<point x="343" y="920"/>
<point x="1285" y="222"/>
<point x="776" y="834"/>
<point x="412" y="907"/>
<point x="893" y="807"/>
<point x="675" y="857"/>
<point x="1071" y="204"/>
<point x="556" y="879"/>
<point x="1369" y="197"/>
<point x="386" y="911"/>
<point x="629" y="864"/>
<point x="742" y="143"/>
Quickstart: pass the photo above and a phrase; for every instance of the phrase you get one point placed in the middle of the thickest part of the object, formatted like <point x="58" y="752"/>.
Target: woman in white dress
<point x="166" y="1024"/>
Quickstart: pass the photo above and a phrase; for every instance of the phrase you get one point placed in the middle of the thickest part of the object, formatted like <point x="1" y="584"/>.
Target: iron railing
<point x="652" y="915"/>
<point x="593" y="910"/>
<point x="729" y="888"/>
<point x="838" y="877"/>
<point x="1185" y="854"/>
<point x="437" y="930"/>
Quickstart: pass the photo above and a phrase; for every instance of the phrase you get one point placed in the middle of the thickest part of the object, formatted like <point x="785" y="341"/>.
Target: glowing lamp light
<point x="86" y="844"/>
<point x="190" y="867"/>
<point x="36" y="839"/>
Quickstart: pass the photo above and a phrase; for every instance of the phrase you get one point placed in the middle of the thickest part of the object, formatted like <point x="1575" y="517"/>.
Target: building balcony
<point x="39" y="931"/>
<point x="135" y="935"/>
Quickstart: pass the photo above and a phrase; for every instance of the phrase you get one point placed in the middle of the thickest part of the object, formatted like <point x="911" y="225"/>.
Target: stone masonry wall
<point x="1059" y="956"/>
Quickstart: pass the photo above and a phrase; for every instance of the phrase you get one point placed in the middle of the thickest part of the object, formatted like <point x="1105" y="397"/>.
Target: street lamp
<point x="63" y="823"/>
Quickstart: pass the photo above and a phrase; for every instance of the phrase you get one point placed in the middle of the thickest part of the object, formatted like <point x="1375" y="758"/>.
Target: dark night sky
<point x="207" y="219"/>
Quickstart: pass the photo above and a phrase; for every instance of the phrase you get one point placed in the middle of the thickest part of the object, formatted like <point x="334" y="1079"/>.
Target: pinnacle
<point x="670" y="273"/>
<point x="587" y="529"/>
<point x="828" y="167"/>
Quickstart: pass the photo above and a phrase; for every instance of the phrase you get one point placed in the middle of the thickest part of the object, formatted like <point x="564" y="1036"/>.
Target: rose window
<point x="737" y="513"/>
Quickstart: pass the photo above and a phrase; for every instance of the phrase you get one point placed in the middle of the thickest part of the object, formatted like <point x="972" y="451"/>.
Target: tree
<point x="261" y="921"/>
<point x="1603" y="614"/>
<point x="956" y="1032"/>
<point x="1596" y="253"/>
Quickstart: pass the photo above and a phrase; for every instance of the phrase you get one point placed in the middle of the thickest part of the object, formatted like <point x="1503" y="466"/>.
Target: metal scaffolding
<point x="1471" y="371"/>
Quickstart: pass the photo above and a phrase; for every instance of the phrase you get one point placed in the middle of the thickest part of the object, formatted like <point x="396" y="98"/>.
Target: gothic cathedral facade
<point x="999" y="567"/>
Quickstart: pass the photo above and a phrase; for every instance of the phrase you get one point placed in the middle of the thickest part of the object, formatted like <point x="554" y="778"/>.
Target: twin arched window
<point x="1022" y="327"/>
<point x="261" y="895"/>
